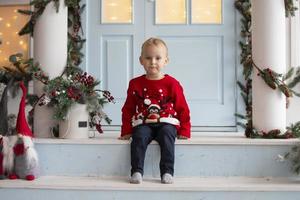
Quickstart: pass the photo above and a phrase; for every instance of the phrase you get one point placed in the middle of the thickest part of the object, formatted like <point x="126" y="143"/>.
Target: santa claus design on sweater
<point x="153" y="107"/>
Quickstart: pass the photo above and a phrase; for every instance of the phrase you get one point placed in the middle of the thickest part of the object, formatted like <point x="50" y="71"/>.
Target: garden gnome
<point x="26" y="159"/>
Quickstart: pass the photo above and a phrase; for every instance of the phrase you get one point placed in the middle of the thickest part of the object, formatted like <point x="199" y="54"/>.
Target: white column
<point x="268" y="51"/>
<point x="50" y="50"/>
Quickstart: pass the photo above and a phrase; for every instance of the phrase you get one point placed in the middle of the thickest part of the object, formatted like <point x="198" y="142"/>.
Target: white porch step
<point x="188" y="188"/>
<point x="203" y="155"/>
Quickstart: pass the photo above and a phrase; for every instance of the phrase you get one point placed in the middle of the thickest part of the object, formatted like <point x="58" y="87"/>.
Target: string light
<point x="25" y="47"/>
<point x="11" y="23"/>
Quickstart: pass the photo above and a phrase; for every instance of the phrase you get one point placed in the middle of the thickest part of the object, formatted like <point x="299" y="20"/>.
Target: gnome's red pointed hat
<point x="22" y="125"/>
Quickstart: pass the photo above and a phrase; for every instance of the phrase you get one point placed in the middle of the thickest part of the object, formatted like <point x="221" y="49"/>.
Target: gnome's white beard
<point x="31" y="154"/>
<point x="5" y="150"/>
<point x="8" y="152"/>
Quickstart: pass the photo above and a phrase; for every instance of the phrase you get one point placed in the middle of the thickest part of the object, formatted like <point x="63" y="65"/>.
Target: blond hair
<point x="155" y="42"/>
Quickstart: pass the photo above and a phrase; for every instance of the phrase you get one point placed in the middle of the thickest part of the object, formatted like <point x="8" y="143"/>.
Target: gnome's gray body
<point x="4" y="126"/>
<point x="6" y="152"/>
<point x="2" y="172"/>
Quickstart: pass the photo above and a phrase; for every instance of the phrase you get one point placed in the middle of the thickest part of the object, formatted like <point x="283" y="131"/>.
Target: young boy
<point x="155" y="109"/>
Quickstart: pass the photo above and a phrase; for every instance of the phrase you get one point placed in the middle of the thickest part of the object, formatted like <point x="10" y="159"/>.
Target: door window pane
<point x="170" y="12"/>
<point x="11" y="23"/>
<point x="206" y="12"/>
<point x="116" y="11"/>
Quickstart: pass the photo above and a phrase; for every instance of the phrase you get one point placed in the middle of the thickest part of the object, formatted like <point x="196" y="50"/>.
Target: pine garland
<point x="271" y="78"/>
<point x="244" y="8"/>
<point x="290" y="8"/>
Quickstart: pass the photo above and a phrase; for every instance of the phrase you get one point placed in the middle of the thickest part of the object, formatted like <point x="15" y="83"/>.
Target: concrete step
<point x="188" y="188"/>
<point x="199" y="156"/>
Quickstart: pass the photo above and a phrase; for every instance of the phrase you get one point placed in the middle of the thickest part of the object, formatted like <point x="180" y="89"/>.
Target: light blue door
<point x="202" y="54"/>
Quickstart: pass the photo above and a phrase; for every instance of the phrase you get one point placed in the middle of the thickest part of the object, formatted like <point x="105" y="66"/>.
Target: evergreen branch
<point x="272" y="79"/>
<point x="290" y="8"/>
<point x="295" y="93"/>
<point x="240" y="116"/>
<point x="242" y="87"/>
<point x="241" y="125"/>
<point x="25" y="12"/>
<point x="289" y="74"/>
<point x="294" y="82"/>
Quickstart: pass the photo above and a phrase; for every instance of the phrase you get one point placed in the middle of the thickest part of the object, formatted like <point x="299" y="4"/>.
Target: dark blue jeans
<point x="142" y="135"/>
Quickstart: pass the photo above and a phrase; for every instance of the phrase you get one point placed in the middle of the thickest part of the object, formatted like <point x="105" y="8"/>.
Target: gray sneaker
<point x="136" y="178"/>
<point x="167" y="178"/>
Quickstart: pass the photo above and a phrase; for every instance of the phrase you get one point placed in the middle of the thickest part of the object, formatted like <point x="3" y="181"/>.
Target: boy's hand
<point x="181" y="137"/>
<point x="125" y="137"/>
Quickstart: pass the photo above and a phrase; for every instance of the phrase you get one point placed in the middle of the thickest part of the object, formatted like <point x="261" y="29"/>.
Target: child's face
<point x="154" y="58"/>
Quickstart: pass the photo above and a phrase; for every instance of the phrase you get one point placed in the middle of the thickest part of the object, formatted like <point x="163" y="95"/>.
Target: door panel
<point x="202" y="58"/>
<point x="188" y="55"/>
<point x="113" y="53"/>
<point x="117" y="64"/>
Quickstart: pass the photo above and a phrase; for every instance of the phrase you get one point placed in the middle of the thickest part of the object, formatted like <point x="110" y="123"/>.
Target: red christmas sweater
<point x="154" y="101"/>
